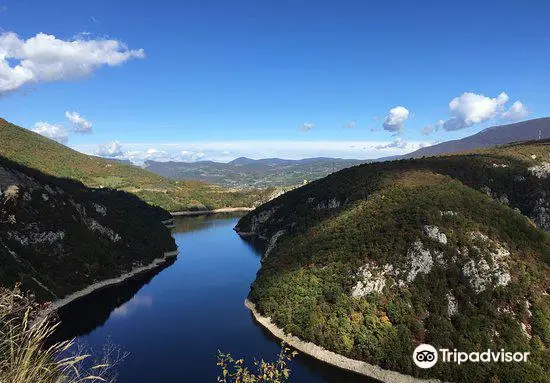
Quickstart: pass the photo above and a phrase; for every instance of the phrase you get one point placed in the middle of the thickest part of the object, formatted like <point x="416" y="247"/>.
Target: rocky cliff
<point x="58" y="236"/>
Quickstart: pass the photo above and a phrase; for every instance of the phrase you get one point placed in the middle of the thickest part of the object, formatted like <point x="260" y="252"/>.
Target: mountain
<point x="453" y="251"/>
<point x="495" y="135"/>
<point x="33" y="150"/>
<point x="58" y="236"/>
<point x="245" y="172"/>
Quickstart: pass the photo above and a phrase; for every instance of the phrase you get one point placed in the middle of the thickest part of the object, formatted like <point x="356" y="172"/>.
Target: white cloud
<point x="307" y="126"/>
<point x="155" y="154"/>
<point x="111" y="149"/>
<point x="218" y="150"/>
<point x="45" y="58"/>
<point x="350" y="124"/>
<point x="395" y="119"/>
<point x="471" y="108"/>
<point x="189" y="156"/>
<point x="55" y="132"/>
<point x="399" y="143"/>
<point x="79" y="123"/>
<point x="431" y="128"/>
<point x="428" y="129"/>
<point x="516" y="112"/>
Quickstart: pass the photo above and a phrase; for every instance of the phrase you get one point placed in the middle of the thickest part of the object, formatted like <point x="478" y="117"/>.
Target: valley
<point x="274" y="192"/>
<point x="248" y="173"/>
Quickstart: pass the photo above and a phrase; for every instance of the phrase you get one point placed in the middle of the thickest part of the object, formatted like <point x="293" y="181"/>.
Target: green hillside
<point x="58" y="236"/>
<point x="452" y="251"/>
<point x="33" y="150"/>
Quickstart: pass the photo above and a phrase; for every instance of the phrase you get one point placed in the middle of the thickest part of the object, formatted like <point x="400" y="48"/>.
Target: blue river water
<point x="173" y="322"/>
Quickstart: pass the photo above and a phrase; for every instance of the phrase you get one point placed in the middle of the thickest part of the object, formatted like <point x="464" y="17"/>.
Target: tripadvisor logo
<point x="426" y="356"/>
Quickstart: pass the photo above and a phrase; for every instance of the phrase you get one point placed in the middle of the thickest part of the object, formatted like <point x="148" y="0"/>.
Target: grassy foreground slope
<point x="33" y="150"/>
<point x="452" y="251"/>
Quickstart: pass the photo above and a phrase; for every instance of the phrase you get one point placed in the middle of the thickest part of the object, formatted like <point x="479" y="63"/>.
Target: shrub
<point x="234" y="370"/>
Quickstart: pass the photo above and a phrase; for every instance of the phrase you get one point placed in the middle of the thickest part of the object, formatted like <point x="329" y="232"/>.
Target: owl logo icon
<point x="425" y="356"/>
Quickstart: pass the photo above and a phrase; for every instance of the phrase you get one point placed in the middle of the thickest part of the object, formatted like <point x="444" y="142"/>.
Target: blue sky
<point x="220" y="79"/>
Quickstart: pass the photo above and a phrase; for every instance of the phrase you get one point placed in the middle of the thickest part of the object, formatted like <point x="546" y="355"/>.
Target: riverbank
<point x="157" y="262"/>
<point x="209" y="212"/>
<point x="329" y="357"/>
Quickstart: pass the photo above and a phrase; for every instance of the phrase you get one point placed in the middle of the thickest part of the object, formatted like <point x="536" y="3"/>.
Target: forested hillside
<point x="38" y="152"/>
<point x="58" y="236"/>
<point x="452" y="251"/>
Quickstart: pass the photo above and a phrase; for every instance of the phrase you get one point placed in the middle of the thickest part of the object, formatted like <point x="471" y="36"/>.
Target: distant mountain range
<point x="248" y="173"/>
<point x="496" y="135"/>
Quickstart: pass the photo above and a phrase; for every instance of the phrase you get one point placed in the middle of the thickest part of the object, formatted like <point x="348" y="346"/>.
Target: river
<point x="173" y="321"/>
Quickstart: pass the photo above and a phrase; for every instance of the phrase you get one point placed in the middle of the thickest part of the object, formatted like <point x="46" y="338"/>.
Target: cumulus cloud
<point x="190" y="156"/>
<point x="395" y="119"/>
<point x="399" y="143"/>
<point x="223" y="151"/>
<point x="153" y="152"/>
<point x="431" y="128"/>
<point x="516" y="112"/>
<point x="350" y="124"/>
<point x="471" y="108"/>
<point x="78" y="123"/>
<point x="307" y="126"/>
<point x="111" y="149"/>
<point x="45" y="58"/>
<point x="55" y="132"/>
<point x="428" y="129"/>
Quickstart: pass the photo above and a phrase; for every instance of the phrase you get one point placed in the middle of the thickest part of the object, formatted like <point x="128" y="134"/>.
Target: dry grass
<point x="25" y="356"/>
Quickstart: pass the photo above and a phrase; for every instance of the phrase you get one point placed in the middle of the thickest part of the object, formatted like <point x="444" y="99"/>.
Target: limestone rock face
<point x="541" y="171"/>
<point x="434" y="233"/>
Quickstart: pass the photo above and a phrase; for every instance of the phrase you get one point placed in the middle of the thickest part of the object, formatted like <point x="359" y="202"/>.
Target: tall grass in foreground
<point x="25" y="356"/>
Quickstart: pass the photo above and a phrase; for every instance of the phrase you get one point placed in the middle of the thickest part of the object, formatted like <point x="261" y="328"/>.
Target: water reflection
<point x="85" y="314"/>
<point x="188" y="224"/>
<point x="137" y="302"/>
<point x="173" y="320"/>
